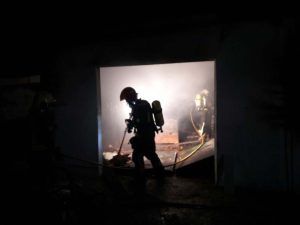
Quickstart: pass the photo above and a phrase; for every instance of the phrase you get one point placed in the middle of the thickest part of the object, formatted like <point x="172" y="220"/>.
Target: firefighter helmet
<point x="128" y="93"/>
<point x="205" y="92"/>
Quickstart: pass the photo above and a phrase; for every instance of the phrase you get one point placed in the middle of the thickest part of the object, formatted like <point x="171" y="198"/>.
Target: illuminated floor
<point x="188" y="153"/>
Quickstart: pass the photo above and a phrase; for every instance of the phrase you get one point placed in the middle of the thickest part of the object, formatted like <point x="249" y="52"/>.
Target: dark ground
<point x="114" y="198"/>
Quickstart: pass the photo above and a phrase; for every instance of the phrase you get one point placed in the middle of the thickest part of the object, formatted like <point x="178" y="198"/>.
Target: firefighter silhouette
<point x="203" y="108"/>
<point x="144" y="128"/>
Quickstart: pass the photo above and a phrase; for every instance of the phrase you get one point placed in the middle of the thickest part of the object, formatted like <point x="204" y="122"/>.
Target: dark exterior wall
<point x="250" y="131"/>
<point x="290" y="76"/>
<point x="255" y="121"/>
<point x="76" y="113"/>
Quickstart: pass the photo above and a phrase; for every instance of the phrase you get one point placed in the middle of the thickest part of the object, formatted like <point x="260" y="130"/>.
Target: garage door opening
<point x="186" y="92"/>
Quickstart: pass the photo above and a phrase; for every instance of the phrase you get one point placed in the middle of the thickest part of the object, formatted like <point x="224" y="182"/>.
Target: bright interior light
<point x="174" y="85"/>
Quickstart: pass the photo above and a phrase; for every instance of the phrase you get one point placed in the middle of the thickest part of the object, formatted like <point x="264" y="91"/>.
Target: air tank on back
<point x="158" y="115"/>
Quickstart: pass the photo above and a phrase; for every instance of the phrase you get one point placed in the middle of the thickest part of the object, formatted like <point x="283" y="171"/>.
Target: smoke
<point x="174" y="85"/>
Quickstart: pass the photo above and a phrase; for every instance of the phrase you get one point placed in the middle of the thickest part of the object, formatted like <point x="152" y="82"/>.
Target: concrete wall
<point x="249" y="99"/>
<point x="255" y="74"/>
<point x="76" y="114"/>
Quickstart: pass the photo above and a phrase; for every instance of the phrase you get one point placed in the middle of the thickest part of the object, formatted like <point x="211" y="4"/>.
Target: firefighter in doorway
<point x="144" y="128"/>
<point x="204" y="108"/>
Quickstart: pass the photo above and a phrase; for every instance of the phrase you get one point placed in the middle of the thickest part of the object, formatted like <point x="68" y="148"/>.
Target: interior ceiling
<point x="31" y="44"/>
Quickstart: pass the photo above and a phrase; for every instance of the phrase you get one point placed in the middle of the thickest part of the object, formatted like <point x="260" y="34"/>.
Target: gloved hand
<point x="129" y="125"/>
